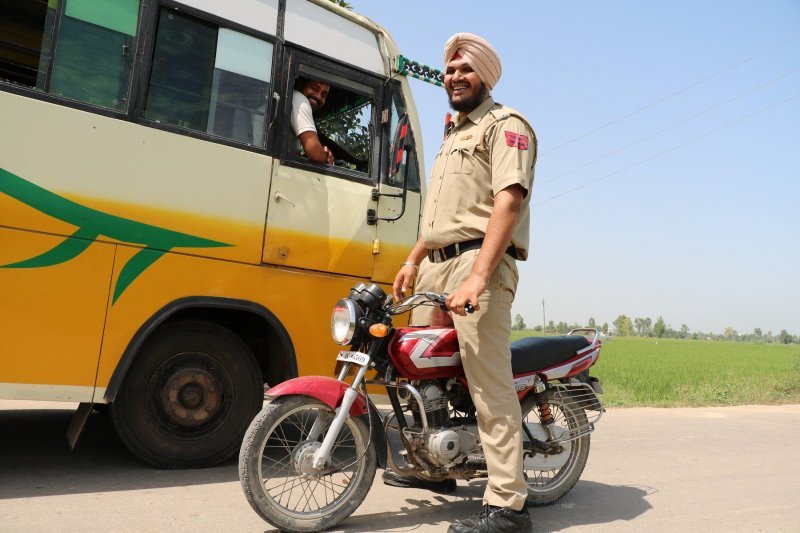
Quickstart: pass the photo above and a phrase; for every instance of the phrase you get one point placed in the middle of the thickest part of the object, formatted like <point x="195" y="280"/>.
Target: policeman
<point x="475" y="226"/>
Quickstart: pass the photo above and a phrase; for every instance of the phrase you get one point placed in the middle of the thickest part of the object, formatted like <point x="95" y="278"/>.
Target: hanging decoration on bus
<point x="414" y="69"/>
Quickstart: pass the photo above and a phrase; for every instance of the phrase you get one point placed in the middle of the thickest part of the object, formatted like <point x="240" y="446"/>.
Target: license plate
<point x="358" y="358"/>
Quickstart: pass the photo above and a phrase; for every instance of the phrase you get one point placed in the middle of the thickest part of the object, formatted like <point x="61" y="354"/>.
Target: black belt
<point x="438" y="255"/>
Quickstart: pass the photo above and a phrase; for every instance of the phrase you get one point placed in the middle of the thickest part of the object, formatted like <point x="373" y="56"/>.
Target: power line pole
<point x="544" y="320"/>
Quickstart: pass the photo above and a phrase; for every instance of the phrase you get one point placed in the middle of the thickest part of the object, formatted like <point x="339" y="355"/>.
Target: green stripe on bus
<point x="92" y="223"/>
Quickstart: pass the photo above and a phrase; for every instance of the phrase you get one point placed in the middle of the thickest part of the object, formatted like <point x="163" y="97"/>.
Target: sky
<point x="668" y="177"/>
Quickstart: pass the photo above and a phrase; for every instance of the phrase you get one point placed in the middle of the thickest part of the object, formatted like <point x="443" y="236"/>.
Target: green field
<point x="692" y="373"/>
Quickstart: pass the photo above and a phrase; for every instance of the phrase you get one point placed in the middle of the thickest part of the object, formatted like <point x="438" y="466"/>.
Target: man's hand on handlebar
<point x="467" y="293"/>
<point x="467" y="307"/>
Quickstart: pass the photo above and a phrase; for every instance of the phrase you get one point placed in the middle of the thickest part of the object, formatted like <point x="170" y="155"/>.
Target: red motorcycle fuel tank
<point x="426" y="353"/>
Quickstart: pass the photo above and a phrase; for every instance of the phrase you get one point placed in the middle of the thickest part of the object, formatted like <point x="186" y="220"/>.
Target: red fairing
<point x="324" y="389"/>
<point x="426" y="353"/>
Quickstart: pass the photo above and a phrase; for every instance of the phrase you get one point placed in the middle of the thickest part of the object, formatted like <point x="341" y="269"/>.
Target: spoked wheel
<point x="550" y="477"/>
<point x="276" y="466"/>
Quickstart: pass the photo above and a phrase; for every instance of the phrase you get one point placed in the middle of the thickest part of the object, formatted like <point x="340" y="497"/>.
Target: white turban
<point x="480" y="55"/>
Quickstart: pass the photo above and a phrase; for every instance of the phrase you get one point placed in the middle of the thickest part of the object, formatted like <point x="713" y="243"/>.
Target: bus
<point x="165" y="249"/>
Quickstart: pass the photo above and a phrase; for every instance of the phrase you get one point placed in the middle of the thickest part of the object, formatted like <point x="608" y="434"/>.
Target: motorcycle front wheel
<point x="551" y="478"/>
<point x="275" y="468"/>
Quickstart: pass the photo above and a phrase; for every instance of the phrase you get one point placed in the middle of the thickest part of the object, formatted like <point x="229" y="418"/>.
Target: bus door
<point x="322" y="217"/>
<point x="399" y="196"/>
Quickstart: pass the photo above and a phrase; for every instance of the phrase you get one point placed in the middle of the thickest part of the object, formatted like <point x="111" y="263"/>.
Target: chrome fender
<point x="325" y="389"/>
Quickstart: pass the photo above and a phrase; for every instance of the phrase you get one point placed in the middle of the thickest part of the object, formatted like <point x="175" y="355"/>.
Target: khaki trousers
<point x="483" y="339"/>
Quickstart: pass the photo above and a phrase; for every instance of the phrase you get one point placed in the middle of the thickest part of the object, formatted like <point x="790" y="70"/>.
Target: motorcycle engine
<point x="443" y="443"/>
<point x="434" y="402"/>
<point x="444" y="446"/>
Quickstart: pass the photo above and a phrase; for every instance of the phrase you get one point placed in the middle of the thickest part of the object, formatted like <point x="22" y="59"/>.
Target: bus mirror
<point x="401" y="143"/>
<point x="398" y="148"/>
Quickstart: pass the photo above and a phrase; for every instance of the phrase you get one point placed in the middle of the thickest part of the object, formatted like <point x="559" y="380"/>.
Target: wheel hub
<point x="191" y="397"/>
<point x="303" y="459"/>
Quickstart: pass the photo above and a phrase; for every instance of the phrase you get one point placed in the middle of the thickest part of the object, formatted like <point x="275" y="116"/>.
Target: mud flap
<point x="377" y="435"/>
<point x="77" y="423"/>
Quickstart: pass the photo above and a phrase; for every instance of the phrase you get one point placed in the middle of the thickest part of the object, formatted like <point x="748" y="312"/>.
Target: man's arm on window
<point x="314" y="149"/>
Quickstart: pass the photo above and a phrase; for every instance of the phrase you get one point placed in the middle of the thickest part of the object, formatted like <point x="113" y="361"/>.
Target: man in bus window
<point x="308" y="97"/>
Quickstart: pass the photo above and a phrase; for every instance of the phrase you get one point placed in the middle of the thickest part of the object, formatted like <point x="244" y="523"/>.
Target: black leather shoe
<point x="413" y="482"/>
<point x="495" y="520"/>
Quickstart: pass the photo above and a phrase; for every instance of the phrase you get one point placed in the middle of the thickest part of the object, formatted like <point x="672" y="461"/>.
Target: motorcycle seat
<point x="532" y="354"/>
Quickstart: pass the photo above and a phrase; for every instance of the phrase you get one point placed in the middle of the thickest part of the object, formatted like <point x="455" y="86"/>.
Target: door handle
<point x="280" y="197"/>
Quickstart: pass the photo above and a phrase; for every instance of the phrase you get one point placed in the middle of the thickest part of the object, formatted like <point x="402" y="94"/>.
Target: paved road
<point x="710" y="469"/>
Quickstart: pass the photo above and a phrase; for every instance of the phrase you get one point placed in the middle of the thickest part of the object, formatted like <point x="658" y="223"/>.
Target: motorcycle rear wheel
<point x="548" y="486"/>
<point x="276" y="448"/>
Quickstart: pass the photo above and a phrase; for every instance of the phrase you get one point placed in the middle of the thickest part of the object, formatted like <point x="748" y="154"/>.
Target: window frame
<point x="43" y="95"/>
<point x="143" y="51"/>
<point x="296" y="57"/>
<point x="284" y="64"/>
<point x="146" y="64"/>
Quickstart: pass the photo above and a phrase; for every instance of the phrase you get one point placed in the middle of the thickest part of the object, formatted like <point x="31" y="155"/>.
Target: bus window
<point x="93" y="49"/>
<point x="344" y="124"/>
<point x="27" y="28"/>
<point x="209" y="79"/>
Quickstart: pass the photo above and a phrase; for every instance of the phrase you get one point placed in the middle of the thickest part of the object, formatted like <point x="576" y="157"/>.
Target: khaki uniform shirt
<point x="468" y="173"/>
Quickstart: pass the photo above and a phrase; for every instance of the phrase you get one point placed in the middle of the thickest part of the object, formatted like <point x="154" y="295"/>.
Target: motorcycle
<point x="310" y="456"/>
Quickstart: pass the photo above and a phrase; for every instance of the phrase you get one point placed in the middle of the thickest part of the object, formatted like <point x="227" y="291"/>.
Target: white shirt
<point x="302" y="117"/>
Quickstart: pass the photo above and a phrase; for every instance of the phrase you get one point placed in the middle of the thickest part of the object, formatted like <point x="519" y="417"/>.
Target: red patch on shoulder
<point x="515" y="139"/>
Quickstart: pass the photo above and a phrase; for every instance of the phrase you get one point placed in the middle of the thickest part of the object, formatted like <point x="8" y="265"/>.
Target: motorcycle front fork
<point x="323" y="454"/>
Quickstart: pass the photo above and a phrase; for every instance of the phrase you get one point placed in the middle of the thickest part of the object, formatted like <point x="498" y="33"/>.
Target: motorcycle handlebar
<point x="406" y="304"/>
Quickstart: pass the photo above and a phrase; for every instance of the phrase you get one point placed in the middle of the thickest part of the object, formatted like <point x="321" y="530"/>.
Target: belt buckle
<point x="437" y="255"/>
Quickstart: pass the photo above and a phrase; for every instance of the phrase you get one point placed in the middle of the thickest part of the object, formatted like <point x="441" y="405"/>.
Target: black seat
<point x="536" y="353"/>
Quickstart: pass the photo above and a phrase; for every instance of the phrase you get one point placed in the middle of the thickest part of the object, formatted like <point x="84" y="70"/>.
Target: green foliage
<point x="648" y="372"/>
<point x="624" y="326"/>
<point x="519" y="323"/>
<point x="644" y="327"/>
<point x="343" y="4"/>
<point x="349" y="127"/>
<point x="675" y="372"/>
<point x="659" y="329"/>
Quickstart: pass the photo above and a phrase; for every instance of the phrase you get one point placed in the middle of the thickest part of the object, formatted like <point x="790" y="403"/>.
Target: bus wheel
<point x="189" y="396"/>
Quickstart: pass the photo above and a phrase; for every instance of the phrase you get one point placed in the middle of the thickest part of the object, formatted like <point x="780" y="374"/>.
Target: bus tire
<point x="189" y="396"/>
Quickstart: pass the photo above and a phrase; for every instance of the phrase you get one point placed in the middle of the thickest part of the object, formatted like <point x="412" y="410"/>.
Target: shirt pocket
<point x="461" y="159"/>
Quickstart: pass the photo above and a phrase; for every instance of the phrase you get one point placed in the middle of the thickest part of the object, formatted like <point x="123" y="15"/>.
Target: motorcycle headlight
<point x="343" y="321"/>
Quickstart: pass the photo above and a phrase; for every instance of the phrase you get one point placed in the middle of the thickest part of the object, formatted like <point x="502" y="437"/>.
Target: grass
<point x="638" y="372"/>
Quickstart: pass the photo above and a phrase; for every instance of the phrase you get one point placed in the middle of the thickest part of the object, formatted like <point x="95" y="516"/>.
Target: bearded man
<point x="308" y="98"/>
<point x="475" y="226"/>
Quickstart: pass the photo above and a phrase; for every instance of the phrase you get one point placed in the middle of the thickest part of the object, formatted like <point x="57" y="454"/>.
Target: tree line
<point x="645" y="327"/>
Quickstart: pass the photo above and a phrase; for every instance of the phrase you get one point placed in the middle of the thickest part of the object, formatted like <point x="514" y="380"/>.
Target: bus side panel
<point x="300" y="300"/>
<point x="129" y="183"/>
<point x="51" y="317"/>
